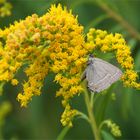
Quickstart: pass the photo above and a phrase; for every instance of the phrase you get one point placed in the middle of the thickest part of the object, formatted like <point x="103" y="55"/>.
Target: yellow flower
<point x="115" y="130"/>
<point x="51" y="43"/>
<point x="5" y="8"/>
<point x="67" y="116"/>
<point x="14" y="82"/>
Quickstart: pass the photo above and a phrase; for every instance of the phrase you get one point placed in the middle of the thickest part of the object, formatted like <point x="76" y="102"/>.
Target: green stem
<point x="132" y="31"/>
<point x="91" y="116"/>
<point x="101" y="125"/>
<point x="91" y="100"/>
<point x="83" y="116"/>
<point x="63" y="133"/>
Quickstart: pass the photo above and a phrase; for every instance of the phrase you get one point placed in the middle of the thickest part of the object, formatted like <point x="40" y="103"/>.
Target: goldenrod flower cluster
<point x="68" y="115"/>
<point x="24" y="45"/>
<point x="67" y="56"/>
<point x="5" y="8"/>
<point x="55" y="43"/>
<point x="51" y="43"/>
<point x="105" y="42"/>
<point x="115" y="130"/>
<point x="5" y="108"/>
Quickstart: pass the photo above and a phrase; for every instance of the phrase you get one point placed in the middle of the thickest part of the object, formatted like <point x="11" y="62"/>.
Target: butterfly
<point x="100" y="74"/>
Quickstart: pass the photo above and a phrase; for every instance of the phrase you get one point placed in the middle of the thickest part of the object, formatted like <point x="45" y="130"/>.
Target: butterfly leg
<point x="89" y="89"/>
<point x="83" y="75"/>
<point x="93" y="90"/>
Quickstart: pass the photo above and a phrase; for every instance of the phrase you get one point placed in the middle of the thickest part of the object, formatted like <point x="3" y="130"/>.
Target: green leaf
<point x="105" y="56"/>
<point x="106" y="135"/>
<point x="126" y="105"/>
<point x="102" y="104"/>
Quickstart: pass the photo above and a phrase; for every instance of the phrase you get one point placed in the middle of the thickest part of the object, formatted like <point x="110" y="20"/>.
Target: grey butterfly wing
<point x="101" y="74"/>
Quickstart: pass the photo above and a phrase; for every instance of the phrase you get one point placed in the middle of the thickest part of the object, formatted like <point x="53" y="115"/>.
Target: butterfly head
<point x="91" y="55"/>
<point x="90" y="59"/>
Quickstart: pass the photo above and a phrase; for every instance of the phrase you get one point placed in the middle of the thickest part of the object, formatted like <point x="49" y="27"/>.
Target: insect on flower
<point x="100" y="74"/>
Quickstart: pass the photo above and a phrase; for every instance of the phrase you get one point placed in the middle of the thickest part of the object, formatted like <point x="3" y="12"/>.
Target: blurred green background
<point x="41" y="119"/>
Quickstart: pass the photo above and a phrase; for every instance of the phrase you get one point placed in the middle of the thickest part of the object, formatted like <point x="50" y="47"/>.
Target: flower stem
<point x="63" y="133"/>
<point x="132" y="31"/>
<point x="91" y="116"/>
